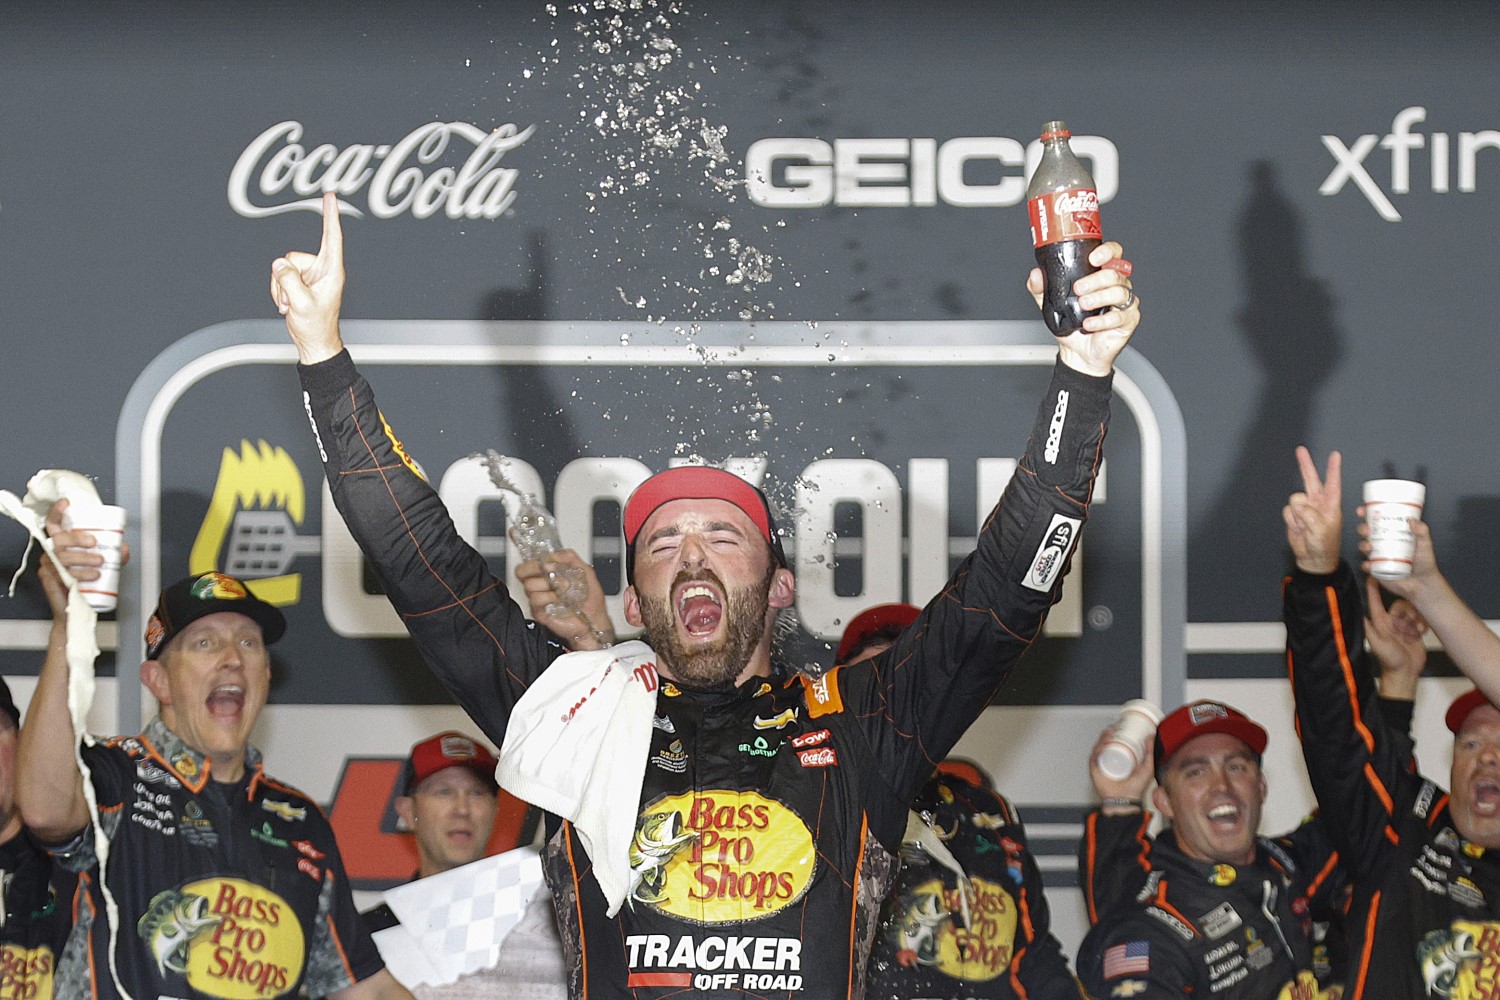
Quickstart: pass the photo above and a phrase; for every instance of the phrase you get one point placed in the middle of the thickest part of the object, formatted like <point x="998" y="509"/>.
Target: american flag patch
<point x="1130" y="959"/>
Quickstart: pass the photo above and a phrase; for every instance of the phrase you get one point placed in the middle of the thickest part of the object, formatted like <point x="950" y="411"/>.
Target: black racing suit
<point x="1114" y="865"/>
<point x="1005" y="951"/>
<point x="36" y="922"/>
<point x="770" y="813"/>
<point x="224" y="890"/>
<point x="1425" y="916"/>
<point x="1205" y="930"/>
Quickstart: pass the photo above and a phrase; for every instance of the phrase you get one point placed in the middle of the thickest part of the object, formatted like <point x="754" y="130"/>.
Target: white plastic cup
<point x="1126" y="747"/>
<point x="106" y="523"/>
<point x="1390" y="504"/>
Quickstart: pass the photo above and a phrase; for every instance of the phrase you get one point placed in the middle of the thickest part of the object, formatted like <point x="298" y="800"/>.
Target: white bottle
<point x="1126" y="747"/>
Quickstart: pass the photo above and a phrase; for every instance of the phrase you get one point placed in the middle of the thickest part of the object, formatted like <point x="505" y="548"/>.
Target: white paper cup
<point x="107" y="524"/>
<point x="1390" y="504"/>
<point x="1126" y="747"/>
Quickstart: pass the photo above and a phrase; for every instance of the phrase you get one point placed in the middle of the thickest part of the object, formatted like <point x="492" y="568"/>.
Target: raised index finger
<point x="332" y="249"/>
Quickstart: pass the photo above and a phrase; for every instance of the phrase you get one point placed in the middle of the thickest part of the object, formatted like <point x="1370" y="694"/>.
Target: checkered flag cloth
<point x="456" y="921"/>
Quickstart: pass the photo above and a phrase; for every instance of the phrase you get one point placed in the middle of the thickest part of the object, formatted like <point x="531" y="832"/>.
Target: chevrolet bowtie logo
<point x="285" y="810"/>
<point x="777" y="721"/>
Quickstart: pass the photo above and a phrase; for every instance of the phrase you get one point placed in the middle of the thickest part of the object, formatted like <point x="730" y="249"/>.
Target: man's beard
<point x="719" y="665"/>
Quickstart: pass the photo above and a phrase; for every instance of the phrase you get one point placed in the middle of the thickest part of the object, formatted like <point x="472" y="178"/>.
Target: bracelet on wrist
<point x="1119" y="802"/>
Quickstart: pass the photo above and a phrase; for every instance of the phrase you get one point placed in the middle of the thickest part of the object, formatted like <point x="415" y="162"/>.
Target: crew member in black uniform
<point x="1221" y="912"/>
<point x="35" y="892"/>
<point x="1114" y="855"/>
<point x="224" y="882"/>
<point x="1425" y="916"/>
<point x="968" y="918"/>
<point x="772" y="804"/>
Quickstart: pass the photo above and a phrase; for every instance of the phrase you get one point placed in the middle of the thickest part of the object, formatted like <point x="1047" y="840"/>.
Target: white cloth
<point x="82" y="648"/>
<point x="576" y="746"/>
<point x="452" y="924"/>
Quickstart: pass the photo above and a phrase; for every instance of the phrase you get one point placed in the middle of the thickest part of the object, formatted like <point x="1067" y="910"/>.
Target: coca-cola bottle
<point x="1064" y="209"/>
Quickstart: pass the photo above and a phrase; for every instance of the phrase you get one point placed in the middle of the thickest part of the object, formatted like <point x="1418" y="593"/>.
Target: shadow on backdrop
<point x="1236" y="552"/>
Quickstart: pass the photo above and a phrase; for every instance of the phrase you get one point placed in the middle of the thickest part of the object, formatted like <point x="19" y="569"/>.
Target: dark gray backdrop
<point x="1277" y="314"/>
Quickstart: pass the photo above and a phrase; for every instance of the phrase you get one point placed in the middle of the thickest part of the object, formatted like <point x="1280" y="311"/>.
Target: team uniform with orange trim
<point x="1196" y="928"/>
<point x="1114" y="864"/>
<point x="770" y="816"/>
<point x="1424" y="920"/>
<point x="996" y="944"/>
<point x="224" y="891"/>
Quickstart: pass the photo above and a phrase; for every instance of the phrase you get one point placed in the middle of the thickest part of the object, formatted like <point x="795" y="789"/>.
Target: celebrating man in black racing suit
<point x="1221" y="912"/>
<point x="772" y="804"/>
<point x="1425" y="917"/>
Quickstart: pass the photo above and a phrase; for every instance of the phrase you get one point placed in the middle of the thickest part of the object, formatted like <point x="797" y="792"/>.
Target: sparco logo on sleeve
<point x="1054" y="432"/>
<point x="1052" y="554"/>
<point x="417" y="174"/>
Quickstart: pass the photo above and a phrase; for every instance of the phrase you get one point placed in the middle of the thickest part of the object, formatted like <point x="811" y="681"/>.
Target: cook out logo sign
<point x="228" y="938"/>
<point x="749" y="856"/>
<point x="450" y="167"/>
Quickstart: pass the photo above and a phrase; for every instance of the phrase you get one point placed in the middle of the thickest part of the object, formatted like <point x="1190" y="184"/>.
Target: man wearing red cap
<point x="447" y="801"/>
<point x="1425" y="864"/>
<point x="770" y="806"/>
<point x="1220" y="911"/>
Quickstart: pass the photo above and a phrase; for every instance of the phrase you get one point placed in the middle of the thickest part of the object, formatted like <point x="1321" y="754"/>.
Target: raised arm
<point x="1466" y="639"/>
<point x="471" y="634"/>
<point x="1114" y="854"/>
<point x="1357" y="771"/>
<point x="918" y="697"/>
<point x="49" y="786"/>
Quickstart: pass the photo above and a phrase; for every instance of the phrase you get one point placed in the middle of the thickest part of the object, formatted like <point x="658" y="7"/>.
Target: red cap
<point x="445" y="750"/>
<point x="1200" y="718"/>
<point x="697" y="482"/>
<point x="1462" y="706"/>
<point x="872" y="621"/>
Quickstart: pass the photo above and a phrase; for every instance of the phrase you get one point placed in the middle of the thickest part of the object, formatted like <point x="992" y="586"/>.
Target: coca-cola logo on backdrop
<point x="450" y="167"/>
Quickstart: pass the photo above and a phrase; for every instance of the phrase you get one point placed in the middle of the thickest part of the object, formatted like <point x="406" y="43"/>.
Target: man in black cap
<point x="198" y="873"/>
<point x="768" y="808"/>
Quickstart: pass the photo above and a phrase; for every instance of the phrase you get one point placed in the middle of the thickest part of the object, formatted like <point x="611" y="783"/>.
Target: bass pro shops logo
<point x="713" y="856"/>
<point x="26" y="973"/>
<point x="227" y="938"/>
<point x="418" y="174"/>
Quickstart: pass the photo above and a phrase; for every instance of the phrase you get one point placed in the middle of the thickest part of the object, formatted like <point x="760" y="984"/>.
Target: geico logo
<point x="1349" y="160"/>
<point x="811" y="173"/>
<point x="405" y="176"/>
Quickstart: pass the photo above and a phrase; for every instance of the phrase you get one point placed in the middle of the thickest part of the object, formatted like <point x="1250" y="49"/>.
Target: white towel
<point x="576" y="746"/>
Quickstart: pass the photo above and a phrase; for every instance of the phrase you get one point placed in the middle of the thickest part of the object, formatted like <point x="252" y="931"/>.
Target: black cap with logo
<point x="194" y="597"/>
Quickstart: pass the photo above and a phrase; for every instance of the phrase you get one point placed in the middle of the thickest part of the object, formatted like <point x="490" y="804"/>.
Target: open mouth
<point x="226" y="699"/>
<point x="700" y="608"/>
<point x="1487" y="797"/>
<point x="1225" y="816"/>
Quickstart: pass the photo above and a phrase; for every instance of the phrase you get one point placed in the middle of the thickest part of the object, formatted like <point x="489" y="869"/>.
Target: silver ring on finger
<point x="1129" y="300"/>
